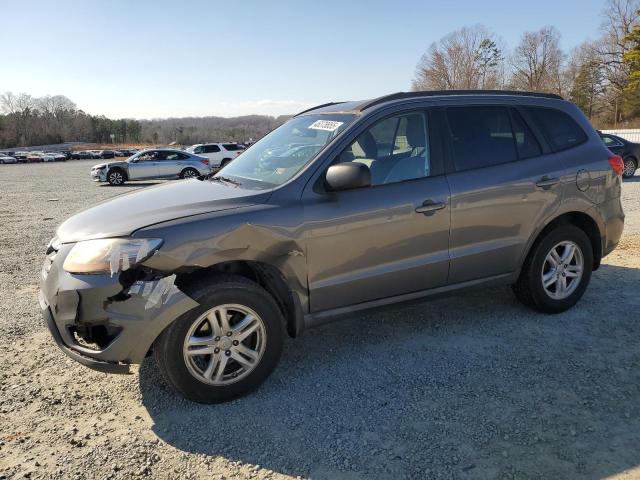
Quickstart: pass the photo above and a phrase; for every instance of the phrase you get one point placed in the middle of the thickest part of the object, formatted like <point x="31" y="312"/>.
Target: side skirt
<point x="327" y="316"/>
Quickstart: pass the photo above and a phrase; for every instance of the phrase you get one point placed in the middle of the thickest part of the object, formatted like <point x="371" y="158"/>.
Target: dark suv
<point x="347" y="206"/>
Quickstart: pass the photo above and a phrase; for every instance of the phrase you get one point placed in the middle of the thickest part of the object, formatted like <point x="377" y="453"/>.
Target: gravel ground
<point x="473" y="386"/>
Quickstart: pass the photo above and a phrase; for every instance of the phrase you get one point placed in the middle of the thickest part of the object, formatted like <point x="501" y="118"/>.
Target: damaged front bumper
<point x="99" y="322"/>
<point x="99" y="175"/>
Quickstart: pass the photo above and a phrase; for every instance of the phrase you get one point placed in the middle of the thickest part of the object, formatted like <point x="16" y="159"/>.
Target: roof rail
<point x="435" y="93"/>
<point x="318" y="106"/>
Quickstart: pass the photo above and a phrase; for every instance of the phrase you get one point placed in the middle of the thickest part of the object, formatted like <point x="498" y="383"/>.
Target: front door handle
<point x="547" y="182"/>
<point x="429" y="206"/>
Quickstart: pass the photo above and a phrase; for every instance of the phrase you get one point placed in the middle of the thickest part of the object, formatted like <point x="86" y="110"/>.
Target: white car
<point x="46" y="157"/>
<point x="7" y="159"/>
<point x="58" y="157"/>
<point x="219" y="154"/>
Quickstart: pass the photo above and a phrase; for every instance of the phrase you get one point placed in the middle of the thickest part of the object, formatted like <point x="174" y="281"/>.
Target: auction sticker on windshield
<point x="328" y="125"/>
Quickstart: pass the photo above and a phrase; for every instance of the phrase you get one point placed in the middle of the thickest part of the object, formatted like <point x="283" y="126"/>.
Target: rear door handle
<point x="429" y="206"/>
<point x="547" y="182"/>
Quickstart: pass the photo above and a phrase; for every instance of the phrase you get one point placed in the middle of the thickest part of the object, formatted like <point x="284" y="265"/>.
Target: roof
<point x="359" y="106"/>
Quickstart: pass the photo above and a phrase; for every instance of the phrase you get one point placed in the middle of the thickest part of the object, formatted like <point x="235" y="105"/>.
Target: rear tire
<point x="538" y="269"/>
<point x="630" y="166"/>
<point x="116" y="177"/>
<point x="225" y="162"/>
<point x="189" y="173"/>
<point x="203" y="377"/>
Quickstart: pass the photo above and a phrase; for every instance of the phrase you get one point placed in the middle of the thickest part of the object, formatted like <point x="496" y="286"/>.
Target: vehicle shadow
<point x="471" y="386"/>
<point x="131" y="185"/>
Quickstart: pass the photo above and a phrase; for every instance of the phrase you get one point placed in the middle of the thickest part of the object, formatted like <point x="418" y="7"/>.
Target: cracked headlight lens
<point x="109" y="255"/>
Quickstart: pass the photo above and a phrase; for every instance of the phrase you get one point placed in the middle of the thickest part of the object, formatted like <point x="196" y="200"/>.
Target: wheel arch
<point x="266" y="275"/>
<point x="121" y="168"/>
<point x="582" y="220"/>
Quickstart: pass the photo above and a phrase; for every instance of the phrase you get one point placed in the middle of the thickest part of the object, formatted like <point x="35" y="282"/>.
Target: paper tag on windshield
<point x="328" y="125"/>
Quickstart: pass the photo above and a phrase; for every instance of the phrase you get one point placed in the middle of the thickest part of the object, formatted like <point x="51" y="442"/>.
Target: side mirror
<point x="347" y="176"/>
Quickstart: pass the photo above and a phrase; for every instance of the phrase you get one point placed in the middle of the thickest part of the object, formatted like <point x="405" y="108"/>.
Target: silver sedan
<point x="157" y="163"/>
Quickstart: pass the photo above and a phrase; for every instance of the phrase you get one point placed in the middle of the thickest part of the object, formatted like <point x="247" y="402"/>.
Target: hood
<point x="124" y="214"/>
<point x="111" y="164"/>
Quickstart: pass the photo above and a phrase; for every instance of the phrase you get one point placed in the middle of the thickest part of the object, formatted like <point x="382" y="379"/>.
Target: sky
<point x="158" y="59"/>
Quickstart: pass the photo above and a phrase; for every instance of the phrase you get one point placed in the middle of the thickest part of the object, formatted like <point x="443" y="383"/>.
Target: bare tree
<point x="620" y="16"/>
<point x="537" y="61"/>
<point x="469" y="58"/>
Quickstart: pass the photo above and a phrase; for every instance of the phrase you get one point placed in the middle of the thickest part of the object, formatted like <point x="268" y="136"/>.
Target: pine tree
<point x="631" y="93"/>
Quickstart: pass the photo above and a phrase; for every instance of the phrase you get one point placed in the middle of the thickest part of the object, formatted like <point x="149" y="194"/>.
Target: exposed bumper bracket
<point x="106" y="367"/>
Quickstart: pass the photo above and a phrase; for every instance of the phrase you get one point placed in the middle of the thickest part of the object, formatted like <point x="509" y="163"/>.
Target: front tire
<point x="630" y="166"/>
<point x="224" y="348"/>
<point x="557" y="270"/>
<point x="115" y="177"/>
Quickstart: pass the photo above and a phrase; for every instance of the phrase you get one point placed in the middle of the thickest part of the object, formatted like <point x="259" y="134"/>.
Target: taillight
<point x="617" y="165"/>
<point x="204" y="162"/>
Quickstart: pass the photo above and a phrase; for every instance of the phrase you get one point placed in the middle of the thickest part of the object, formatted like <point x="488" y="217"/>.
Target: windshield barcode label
<point x="328" y="125"/>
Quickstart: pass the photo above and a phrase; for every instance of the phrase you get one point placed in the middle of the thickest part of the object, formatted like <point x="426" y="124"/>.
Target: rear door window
<point x="611" y="142"/>
<point x="481" y="136"/>
<point x="211" y="148"/>
<point x="175" y="156"/>
<point x="561" y="131"/>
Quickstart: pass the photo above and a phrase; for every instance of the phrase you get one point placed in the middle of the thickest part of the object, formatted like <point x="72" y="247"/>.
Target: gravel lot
<point x="474" y="386"/>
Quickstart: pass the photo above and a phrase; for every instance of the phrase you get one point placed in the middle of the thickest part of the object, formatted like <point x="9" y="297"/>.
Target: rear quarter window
<point x="561" y="131"/>
<point x="232" y="147"/>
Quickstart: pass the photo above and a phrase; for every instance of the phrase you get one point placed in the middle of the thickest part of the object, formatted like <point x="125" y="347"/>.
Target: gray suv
<point x="347" y="206"/>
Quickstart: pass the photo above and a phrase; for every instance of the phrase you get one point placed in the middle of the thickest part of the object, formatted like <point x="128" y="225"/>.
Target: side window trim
<point x="512" y="112"/>
<point x="535" y="129"/>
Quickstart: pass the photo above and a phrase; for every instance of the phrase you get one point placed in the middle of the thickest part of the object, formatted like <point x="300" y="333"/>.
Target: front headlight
<point x="110" y="255"/>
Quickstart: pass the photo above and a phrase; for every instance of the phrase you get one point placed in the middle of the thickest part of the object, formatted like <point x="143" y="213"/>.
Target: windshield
<point x="285" y="151"/>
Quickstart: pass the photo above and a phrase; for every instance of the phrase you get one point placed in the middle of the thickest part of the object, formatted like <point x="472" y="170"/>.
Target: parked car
<point x="85" y="154"/>
<point x="34" y="157"/>
<point x="152" y="164"/>
<point x="629" y="151"/>
<point x="219" y="154"/>
<point x="57" y="156"/>
<point x="21" y="156"/>
<point x="410" y="195"/>
<point x="105" y="154"/>
<point x="7" y="159"/>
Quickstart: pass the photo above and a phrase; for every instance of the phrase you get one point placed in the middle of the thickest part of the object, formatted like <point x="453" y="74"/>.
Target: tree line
<point x="27" y="120"/>
<point x="601" y="76"/>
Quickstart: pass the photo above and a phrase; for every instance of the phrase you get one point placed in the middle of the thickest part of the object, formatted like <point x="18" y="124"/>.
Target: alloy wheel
<point x="629" y="168"/>
<point x="116" y="178"/>
<point x="562" y="270"/>
<point x="225" y="344"/>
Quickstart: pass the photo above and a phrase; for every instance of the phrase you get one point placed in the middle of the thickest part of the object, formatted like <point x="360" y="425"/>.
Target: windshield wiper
<point x="221" y="179"/>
